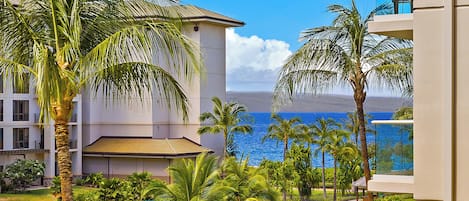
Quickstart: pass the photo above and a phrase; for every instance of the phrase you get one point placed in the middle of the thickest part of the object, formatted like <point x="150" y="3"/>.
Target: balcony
<point x="396" y="21"/>
<point x="394" y="156"/>
<point x="397" y="6"/>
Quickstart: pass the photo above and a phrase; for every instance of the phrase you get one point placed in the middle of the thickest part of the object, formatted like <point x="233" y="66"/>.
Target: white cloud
<point x="252" y="63"/>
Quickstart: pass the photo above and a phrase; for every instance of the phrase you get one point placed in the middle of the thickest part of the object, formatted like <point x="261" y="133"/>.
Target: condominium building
<point x="118" y="138"/>
<point x="440" y="31"/>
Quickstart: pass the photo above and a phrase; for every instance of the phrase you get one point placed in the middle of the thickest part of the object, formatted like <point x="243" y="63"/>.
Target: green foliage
<point x="115" y="189"/>
<point x="242" y="183"/>
<point x="191" y="180"/>
<point x="225" y="119"/>
<point x="94" y="179"/>
<point x="143" y="186"/>
<point x="23" y="173"/>
<point x="283" y="130"/>
<point x="301" y="157"/>
<point x="55" y="188"/>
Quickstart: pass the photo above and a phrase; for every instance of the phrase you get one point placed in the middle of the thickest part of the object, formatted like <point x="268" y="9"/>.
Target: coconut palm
<point x="345" y="53"/>
<point x="192" y="179"/>
<point x="322" y="131"/>
<point x="338" y="147"/>
<point x="351" y="124"/>
<point x="283" y="130"/>
<point x="69" y="45"/>
<point x="225" y="118"/>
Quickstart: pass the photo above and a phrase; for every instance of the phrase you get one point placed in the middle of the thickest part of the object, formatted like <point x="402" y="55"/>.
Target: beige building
<point x="119" y="138"/>
<point x="440" y="31"/>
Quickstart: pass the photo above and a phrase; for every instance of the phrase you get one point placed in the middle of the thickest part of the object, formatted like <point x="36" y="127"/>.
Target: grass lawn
<point x="40" y="195"/>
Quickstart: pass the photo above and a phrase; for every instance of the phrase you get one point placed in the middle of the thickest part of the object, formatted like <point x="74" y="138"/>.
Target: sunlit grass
<point x="40" y="195"/>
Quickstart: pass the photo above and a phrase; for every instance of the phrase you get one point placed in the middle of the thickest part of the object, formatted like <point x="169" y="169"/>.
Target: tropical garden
<point x="69" y="46"/>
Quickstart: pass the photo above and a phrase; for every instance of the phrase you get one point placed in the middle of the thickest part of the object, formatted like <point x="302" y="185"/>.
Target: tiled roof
<point x="167" y="148"/>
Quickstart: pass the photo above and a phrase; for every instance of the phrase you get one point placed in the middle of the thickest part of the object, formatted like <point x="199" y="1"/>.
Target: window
<point x="1" y="110"/>
<point x="20" y="110"/>
<point x="22" y="88"/>
<point x="1" y="83"/>
<point x="20" y="138"/>
<point x="1" y="138"/>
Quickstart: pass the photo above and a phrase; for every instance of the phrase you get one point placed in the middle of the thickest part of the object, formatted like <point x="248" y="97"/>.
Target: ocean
<point x="250" y="145"/>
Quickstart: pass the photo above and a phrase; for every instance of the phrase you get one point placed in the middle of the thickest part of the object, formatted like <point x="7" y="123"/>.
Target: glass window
<point x="1" y="83"/>
<point x="1" y="138"/>
<point x="20" y="138"/>
<point x="1" y="110"/>
<point x="20" y="110"/>
<point x="22" y="88"/>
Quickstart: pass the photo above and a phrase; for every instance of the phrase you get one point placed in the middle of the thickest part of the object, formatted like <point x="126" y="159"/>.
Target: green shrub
<point x="79" y="182"/>
<point x="88" y="196"/>
<point x="94" y="179"/>
<point x="116" y="190"/>
<point x="55" y="188"/>
<point x="22" y="173"/>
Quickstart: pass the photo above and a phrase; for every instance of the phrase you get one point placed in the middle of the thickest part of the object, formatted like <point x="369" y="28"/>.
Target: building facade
<point x="97" y="122"/>
<point x="440" y="33"/>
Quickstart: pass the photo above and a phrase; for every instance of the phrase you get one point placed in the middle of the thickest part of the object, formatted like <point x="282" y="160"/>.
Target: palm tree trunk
<point x="324" y="176"/>
<point x="359" y="96"/>
<point x="63" y="149"/>
<point x="335" y="178"/>
<point x="285" y="149"/>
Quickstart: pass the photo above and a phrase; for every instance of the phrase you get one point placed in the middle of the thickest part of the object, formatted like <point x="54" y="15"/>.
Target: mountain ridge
<point x="262" y="102"/>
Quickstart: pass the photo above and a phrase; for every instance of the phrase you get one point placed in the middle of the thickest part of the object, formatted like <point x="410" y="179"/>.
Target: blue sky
<point x="256" y="51"/>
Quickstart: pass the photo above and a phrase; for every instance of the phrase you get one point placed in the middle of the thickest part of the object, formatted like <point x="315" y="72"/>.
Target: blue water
<point x="251" y="145"/>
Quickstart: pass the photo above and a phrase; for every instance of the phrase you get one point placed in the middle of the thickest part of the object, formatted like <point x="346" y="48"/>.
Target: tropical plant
<point x="351" y="124"/>
<point x="283" y="130"/>
<point x="95" y="179"/>
<point x="115" y="189"/>
<point x="321" y="131"/>
<point x="192" y="179"/>
<point x="281" y="174"/>
<point x="242" y="183"/>
<point x="349" y="170"/>
<point x="22" y="173"/>
<point x="339" y="147"/>
<point x="226" y="119"/>
<point x="301" y="157"/>
<point x="140" y="185"/>
<point x="69" y="45"/>
<point x="345" y="53"/>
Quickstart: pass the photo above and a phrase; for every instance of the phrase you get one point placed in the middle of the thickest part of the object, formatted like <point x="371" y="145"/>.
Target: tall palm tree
<point x="338" y="146"/>
<point x="346" y="53"/>
<point x="283" y="130"/>
<point x="352" y="125"/>
<point x="225" y="118"/>
<point x="69" y="45"/>
<point x="192" y="179"/>
<point x="322" y="131"/>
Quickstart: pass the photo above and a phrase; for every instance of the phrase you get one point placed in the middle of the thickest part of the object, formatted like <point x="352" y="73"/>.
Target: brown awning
<point x="143" y="147"/>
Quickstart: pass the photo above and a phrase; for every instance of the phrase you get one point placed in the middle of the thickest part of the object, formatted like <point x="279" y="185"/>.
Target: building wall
<point x="441" y="103"/>
<point x="35" y="130"/>
<point x="108" y="117"/>
<point x="122" y="167"/>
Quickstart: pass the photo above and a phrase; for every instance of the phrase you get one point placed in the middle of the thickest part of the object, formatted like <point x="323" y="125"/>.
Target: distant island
<point x="262" y="102"/>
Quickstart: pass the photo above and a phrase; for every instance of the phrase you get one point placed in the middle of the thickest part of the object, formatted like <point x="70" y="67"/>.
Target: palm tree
<point x="346" y="53"/>
<point x="322" y="131"/>
<point x="351" y="124"/>
<point x="337" y="147"/>
<point x="284" y="130"/>
<point x="225" y="118"/>
<point x="69" y="45"/>
<point x="242" y="183"/>
<point x="192" y="179"/>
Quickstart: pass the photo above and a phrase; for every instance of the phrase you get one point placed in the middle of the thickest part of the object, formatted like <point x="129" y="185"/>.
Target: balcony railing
<point x="394" y="147"/>
<point x="396" y="6"/>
